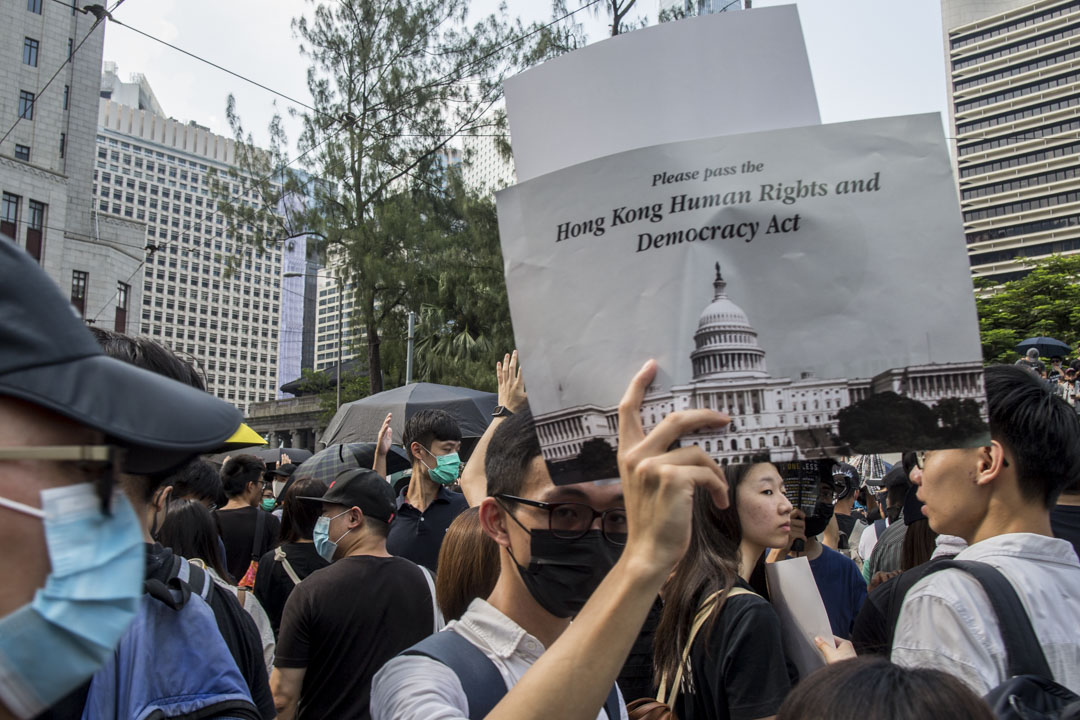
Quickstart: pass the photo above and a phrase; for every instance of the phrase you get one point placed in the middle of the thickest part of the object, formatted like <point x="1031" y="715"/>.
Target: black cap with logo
<point x="365" y="489"/>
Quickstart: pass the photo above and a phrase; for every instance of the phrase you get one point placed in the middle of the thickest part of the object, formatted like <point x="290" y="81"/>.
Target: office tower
<point x="1014" y="83"/>
<point x="158" y="170"/>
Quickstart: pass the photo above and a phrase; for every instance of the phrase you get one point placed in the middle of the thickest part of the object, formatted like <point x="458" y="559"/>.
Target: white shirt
<point x="868" y="540"/>
<point x="414" y="687"/>
<point x="947" y="621"/>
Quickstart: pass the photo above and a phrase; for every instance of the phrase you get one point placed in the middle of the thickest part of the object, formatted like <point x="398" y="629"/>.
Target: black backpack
<point x="1030" y="692"/>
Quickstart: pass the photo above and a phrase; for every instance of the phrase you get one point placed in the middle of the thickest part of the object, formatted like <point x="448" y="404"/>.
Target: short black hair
<point x="149" y="355"/>
<point x="198" y="480"/>
<point x="240" y="471"/>
<point x="427" y="426"/>
<point x="191" y="531"/>
<point x="511" y="451"/>
<point x="1038" y="427"/>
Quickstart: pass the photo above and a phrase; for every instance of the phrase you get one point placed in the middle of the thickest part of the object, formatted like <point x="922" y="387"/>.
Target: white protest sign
<point x="795" y="596"/>
<point x="700" y="77"/>
<point x="811" y="282"/>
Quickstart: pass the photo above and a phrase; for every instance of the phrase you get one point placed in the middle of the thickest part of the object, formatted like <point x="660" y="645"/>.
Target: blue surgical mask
<point x="59" y="640"/>
<point x="447" y="468"/>
<point x="321" y="535"/>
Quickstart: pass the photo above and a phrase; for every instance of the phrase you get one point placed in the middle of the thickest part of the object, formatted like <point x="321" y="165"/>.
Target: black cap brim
<point x="161" y="423"/>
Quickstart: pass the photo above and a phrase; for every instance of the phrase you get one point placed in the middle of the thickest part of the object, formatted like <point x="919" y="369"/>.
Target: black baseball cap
<point x="362" y="488"/>
<point x="50" y="359"/>
<point x="284" y="470"/>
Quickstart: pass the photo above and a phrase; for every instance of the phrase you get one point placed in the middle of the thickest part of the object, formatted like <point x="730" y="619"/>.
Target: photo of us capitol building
<point x="787" y="418"/>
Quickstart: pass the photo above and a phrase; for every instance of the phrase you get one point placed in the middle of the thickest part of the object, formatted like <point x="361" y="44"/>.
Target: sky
<point x="869" y="58"/>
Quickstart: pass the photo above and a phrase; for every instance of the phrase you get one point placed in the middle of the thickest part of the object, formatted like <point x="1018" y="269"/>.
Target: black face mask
<point x="562" y="574"/>
<point x="817" y="521"/>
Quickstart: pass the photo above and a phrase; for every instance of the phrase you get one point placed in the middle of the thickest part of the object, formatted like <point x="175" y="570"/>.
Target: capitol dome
<point x="725" y="342"/>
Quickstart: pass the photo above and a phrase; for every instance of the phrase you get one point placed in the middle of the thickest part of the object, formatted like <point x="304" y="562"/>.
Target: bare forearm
<point x="473" y="480"/>
<point x="285" y="688"/>
<point x="573" y="677"/>
<point x="380" y="464"/>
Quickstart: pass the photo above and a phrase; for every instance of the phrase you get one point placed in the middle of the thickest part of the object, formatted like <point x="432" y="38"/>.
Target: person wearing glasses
<point x="556" y="543"/>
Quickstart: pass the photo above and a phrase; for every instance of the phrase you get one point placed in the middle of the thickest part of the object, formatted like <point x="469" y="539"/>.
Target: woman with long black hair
<point x="735" y="665"/>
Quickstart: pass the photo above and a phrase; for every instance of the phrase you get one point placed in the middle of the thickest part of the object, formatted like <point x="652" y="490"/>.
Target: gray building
<point x="47" y="161"/>
<point x="1014" y="84"/>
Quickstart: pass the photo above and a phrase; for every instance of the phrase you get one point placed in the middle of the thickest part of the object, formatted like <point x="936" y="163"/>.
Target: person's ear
<point x="415" y="450"/>
<point x="991" y="461"/>
<point x="356" y="518"/>
<point x="493" y="520"/>
<point x="161" y="497"/>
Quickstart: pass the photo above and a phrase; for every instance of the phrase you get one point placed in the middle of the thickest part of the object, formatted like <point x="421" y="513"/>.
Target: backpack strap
<point x="193" y="573"/>
<point x="436" y="614"/>
<point x="279" y="556"/>
<point x="1024" y="655"/>
<point x="612" y="706"/>
<point x="483" y="684"/>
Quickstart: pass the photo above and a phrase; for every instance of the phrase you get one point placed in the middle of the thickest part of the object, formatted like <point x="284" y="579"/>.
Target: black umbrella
<point x="1047" y="347"/>
<point x="328" y="462"/>
<point x="361" y="419"/>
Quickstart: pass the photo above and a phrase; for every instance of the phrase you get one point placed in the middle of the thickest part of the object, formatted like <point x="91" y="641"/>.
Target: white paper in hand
<point x="802" y="614"/>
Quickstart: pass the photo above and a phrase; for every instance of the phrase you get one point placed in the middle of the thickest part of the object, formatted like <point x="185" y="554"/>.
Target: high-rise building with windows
<point x="157" y="170"/>
<point x="1014" y="84"/>
<point x="353" y="336"/>
<point x="47" y="161"/>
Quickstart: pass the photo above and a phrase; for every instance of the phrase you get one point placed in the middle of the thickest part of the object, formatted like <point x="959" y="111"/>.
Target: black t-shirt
<point x="846" y="523"/>
<point x="238" y="534"/>
<point x="1065" y="522"/>
<point x="273" y="585"/>
<point x="739" y="669"/>
<point x="343" y="623"/>
<point x="416" y="535"/>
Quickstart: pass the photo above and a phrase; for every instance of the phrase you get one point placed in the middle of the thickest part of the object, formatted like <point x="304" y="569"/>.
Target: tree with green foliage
<point x="1045" y="302"/>
<point x="392" y="84"/>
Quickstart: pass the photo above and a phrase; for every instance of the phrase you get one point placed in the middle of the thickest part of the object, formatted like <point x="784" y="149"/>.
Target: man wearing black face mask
<point x="838" y="578"/>
<point x="556" y="544"/>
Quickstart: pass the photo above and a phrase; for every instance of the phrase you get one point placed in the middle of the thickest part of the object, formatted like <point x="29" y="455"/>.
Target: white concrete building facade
<point x="46" y="161"/>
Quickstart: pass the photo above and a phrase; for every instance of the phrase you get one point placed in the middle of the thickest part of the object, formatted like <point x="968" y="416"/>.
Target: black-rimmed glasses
<point x="570" y="520"/>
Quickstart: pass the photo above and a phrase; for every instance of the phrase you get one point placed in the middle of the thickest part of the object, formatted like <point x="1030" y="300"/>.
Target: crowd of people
<point x="145" y="581"/>
<point x="1062" y="377"/>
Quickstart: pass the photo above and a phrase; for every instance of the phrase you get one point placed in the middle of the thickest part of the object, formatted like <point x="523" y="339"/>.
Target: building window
<point x="123" y="291"/>
<point x="79" y="281"/>
<point x="34" y="6"/>
<point x="35" y="229"/>
<point x="9" y="215"/>
<point x="26" y="104"/>
<point x="71" y="47"/>
<point x="30" y="52"/>
<point x="22" y="152"/>
<point x="67" y="96"/>
<point x="63" y="143"/>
